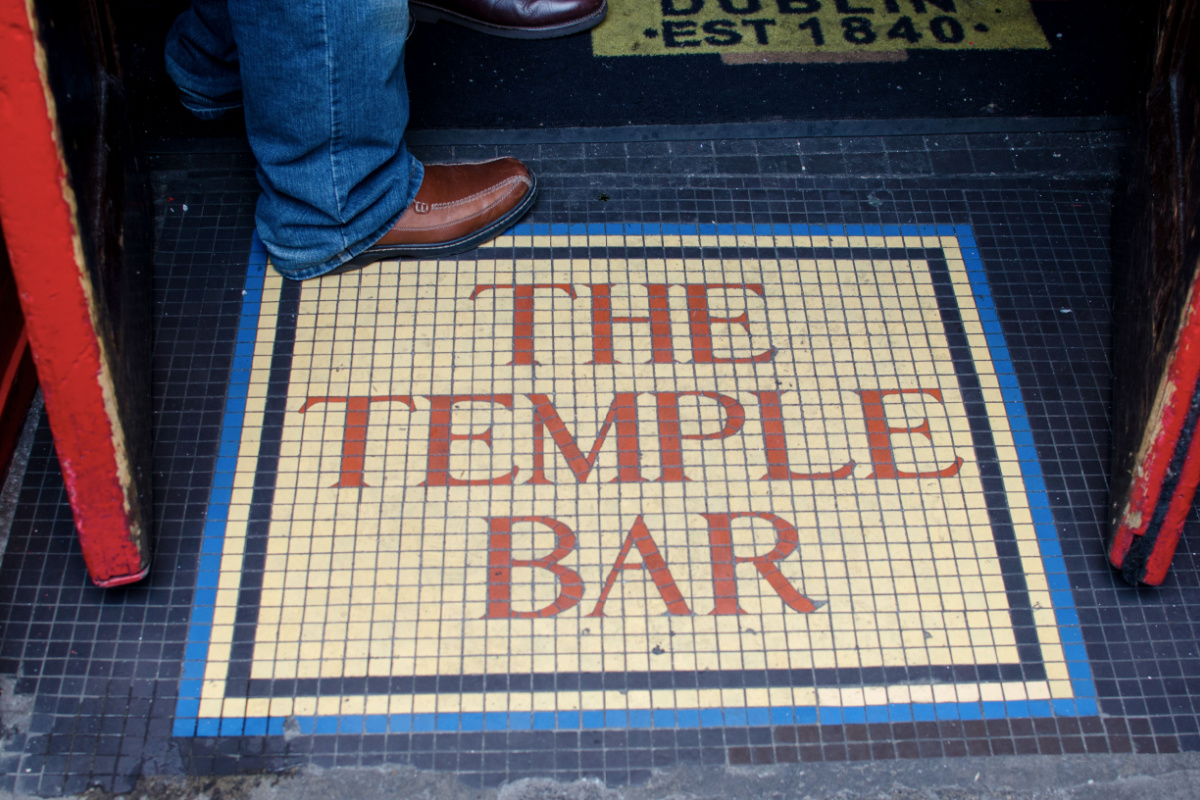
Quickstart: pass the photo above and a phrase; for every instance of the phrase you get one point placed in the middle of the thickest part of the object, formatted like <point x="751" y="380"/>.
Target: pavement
<point x="1130" y="777"/>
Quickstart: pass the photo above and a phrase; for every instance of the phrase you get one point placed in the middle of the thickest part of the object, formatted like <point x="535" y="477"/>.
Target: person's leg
<point x="326" y="108"/>
<point x="322" y="82"/>
<point x="202" y="59"/>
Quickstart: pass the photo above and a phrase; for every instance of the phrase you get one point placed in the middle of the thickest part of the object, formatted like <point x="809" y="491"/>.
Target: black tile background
<point x="103" y="667"/>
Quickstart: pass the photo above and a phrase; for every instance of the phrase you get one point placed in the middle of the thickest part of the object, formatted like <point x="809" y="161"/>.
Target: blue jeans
<point x="326" y="105"/>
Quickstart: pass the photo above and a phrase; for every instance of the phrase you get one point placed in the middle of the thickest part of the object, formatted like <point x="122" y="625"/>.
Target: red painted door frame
<point x="38" y="211"/>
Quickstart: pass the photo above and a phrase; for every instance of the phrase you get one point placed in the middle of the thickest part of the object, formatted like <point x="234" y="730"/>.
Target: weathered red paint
<point x="1183" y="372"/>
<point x="17" y="388"/>
<point x="36" y="209"/>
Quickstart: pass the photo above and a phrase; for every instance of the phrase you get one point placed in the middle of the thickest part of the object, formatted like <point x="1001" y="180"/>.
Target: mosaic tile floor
<point x="802" y="494"/>
<point x="735" y="452"/>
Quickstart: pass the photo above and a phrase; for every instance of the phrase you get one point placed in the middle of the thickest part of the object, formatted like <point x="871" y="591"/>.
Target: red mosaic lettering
<point x="720" y="538"/>
<point x="523" y="314"/>
<point x="659" y="319"/>
<point x="775" y="445"/>
<point x="437" y="469"/>
<point x="622" y="411"/>
<point x="354" y="434"/>
<point x="670" y="437"/>
<point x="501" y="564"/>
<point x="879" y="435"/>
<point x="700" y="322"/>
<point x="652" y="562"/>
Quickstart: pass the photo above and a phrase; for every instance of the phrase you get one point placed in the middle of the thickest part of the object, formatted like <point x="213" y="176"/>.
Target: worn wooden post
<point x="1156" y="343"/>
<point x="79" y="267"/>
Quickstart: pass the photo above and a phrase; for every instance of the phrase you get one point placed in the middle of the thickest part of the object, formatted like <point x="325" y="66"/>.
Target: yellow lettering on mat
<point x="759" y="31"/>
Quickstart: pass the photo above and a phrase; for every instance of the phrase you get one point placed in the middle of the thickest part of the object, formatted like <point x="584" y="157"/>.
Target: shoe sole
<point x="425" y="13"/>
<point x="437" y="249"/>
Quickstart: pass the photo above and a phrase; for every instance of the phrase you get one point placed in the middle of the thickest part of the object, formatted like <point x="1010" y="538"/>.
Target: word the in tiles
<point x="657" y="319"/>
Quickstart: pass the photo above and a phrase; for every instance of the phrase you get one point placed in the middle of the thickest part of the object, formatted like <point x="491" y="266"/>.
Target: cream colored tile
<point x="394" y="577"/>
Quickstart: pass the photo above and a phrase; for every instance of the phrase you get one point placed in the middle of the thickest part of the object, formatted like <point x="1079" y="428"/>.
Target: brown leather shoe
<point x="458" y="207"/>
<point x="515" y="19"/>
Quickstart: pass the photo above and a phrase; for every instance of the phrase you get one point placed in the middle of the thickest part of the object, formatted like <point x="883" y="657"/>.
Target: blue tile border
<point x="188" y="723"/>
<point x="187" y="719"/>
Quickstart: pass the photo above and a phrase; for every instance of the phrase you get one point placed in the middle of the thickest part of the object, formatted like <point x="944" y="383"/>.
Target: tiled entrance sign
<point x="630" y="476"/>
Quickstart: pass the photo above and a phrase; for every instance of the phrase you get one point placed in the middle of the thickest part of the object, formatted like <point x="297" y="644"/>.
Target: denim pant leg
<point x="326" y="104"/>
<point x="202" y="60"/>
